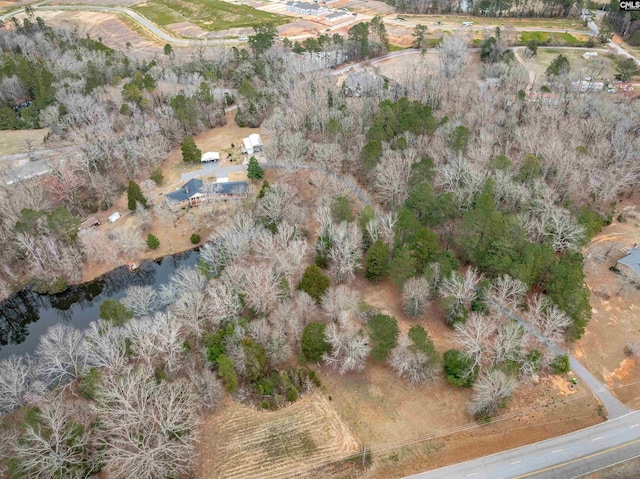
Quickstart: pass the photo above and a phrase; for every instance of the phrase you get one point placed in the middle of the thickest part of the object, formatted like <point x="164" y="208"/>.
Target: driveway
<point x="212" y="168"/>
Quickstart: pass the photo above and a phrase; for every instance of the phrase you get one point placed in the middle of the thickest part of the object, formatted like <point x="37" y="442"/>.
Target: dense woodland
<point x="494" y="8"/>
<point x="624" y="23"/>
<point x="466" y="195"/>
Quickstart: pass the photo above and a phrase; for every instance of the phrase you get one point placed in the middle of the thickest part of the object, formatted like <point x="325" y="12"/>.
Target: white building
<point x="114" y="217"/>
<point x="335" y="16"/>
<point x="210" y="156"/>
<point x="590" y="55"/>
<point x="304" y="8"/>
<point x="252" y="144"/>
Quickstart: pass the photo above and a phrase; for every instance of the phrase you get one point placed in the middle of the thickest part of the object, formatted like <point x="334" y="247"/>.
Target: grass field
<point x="553" y="38"/>
<point x="208" y="14"/>
<point x="501" y="22"/>
<point x="13" y="142"/>
<point x="602" y="67"/>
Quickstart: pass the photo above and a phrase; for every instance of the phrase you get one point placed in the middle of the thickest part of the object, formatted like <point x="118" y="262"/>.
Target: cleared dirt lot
<point x="616" y="312"/>
<point x="114" y="32"/>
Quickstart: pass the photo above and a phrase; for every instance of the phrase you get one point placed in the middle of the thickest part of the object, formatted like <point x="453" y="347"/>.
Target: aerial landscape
<point x="247" y="239"/>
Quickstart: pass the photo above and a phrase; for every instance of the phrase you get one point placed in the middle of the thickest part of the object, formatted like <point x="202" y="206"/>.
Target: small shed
<point x="210" y="156"/>
<point x="114" y="217"/>
<point x="632" y="260"/>
<point x="588" y="55"/>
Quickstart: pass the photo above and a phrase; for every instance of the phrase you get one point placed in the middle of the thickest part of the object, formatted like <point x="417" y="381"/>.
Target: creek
<point x="26" y="315"/>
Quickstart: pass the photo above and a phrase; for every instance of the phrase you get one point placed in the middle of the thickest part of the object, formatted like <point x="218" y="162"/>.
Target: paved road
<point x="212" y="168"/>
<point x="563" y="457"/>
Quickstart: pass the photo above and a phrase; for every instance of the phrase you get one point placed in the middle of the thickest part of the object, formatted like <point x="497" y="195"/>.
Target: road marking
<point x="557" y="450"/>
<point x="595" y="454"/>
<point x="596" y="438"/>
<point x="515" y="462"/>
<point x="472" y="474"/>
<point x="635" y="425"/>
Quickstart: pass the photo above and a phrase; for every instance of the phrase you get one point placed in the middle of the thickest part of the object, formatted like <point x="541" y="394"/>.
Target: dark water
<point x="27" y="315"/>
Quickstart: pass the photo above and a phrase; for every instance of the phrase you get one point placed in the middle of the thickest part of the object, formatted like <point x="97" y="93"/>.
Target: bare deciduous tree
<point x="415" y="294"/>
<point x="346" y="250"/>
<point x="62" y="354"/>
<point x="142" y="300"/>
<point x="473" y="337"/>
<point x="19" y="384"/>
<point x="453" y="55"/>
<point x="339" y="300"/>
<point x="547" y="318"/>
<point x="149" y="425"/>
<point x="56" y="446"/>
<point x="412" y="364"/>
<point x="349" y="348"/>
<point x="490" y="392"/>
<point x="508" y="292"/>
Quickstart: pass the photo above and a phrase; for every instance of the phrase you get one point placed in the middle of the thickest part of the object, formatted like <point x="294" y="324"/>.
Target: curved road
<point x="569" y="456"/>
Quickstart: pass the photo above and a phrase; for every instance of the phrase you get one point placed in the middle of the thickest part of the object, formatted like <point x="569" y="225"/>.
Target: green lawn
<point x="208" y="14"/>
<point x="545" y="38"/>
<point x="600" y="68"/>
<point x="559" y="23"/>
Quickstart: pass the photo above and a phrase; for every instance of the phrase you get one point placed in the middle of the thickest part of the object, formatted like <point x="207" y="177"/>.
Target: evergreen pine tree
<point x="190" y="152"/>
<point x="135" y="196"/>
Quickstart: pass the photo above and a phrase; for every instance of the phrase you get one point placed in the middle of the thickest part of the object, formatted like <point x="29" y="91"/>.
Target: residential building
<point x="252" y="144"/>
<point x="195" y="191"/>
<point x="305" y="8"/>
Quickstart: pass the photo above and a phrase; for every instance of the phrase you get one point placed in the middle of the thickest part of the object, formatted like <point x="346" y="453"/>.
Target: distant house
<point x="304" y="8"/>
<point x="335" y="16"/>
<point x="585" y="86"/>
<point x="589" y="55"/>
<point x="252" y="144"/>
<point x="195" y="191"/>
<point x="632" y="260"/>
<point x="210" y="156"/>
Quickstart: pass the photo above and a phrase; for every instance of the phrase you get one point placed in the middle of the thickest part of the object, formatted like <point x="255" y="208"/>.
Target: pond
<point x="27" y="315"/>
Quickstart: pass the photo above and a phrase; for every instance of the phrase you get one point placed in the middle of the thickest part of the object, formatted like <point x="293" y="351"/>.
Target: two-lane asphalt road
<point x="563" y="457"/>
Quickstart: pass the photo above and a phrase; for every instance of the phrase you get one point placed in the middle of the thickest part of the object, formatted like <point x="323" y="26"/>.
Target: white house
<point x="114" y="217"/>
<point x="335" y="16"/>
<point x="590" y="55"/>
<point x="210" y="156"/>
<point x="252" y="144"/>
<point x="305" y="8"/>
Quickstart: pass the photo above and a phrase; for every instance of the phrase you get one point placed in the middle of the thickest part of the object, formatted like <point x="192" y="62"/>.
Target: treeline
<point x="490" y="8"/>
<point x="624" y="23"/>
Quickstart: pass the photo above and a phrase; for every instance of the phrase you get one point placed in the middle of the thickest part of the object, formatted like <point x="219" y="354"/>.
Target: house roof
<point x="255" y="139"/>
<point x="632" y="260"/>
<point x="228" y="187"/>
<point x="336" y="15"/>
<point x="188" y="190"/>
<point x="193" y="188"/>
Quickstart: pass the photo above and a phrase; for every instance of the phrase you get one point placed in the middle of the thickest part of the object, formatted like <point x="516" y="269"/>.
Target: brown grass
<point x="241" y="442"/>
<point x="616" y="314"/>
<point x="13" y="142"/>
